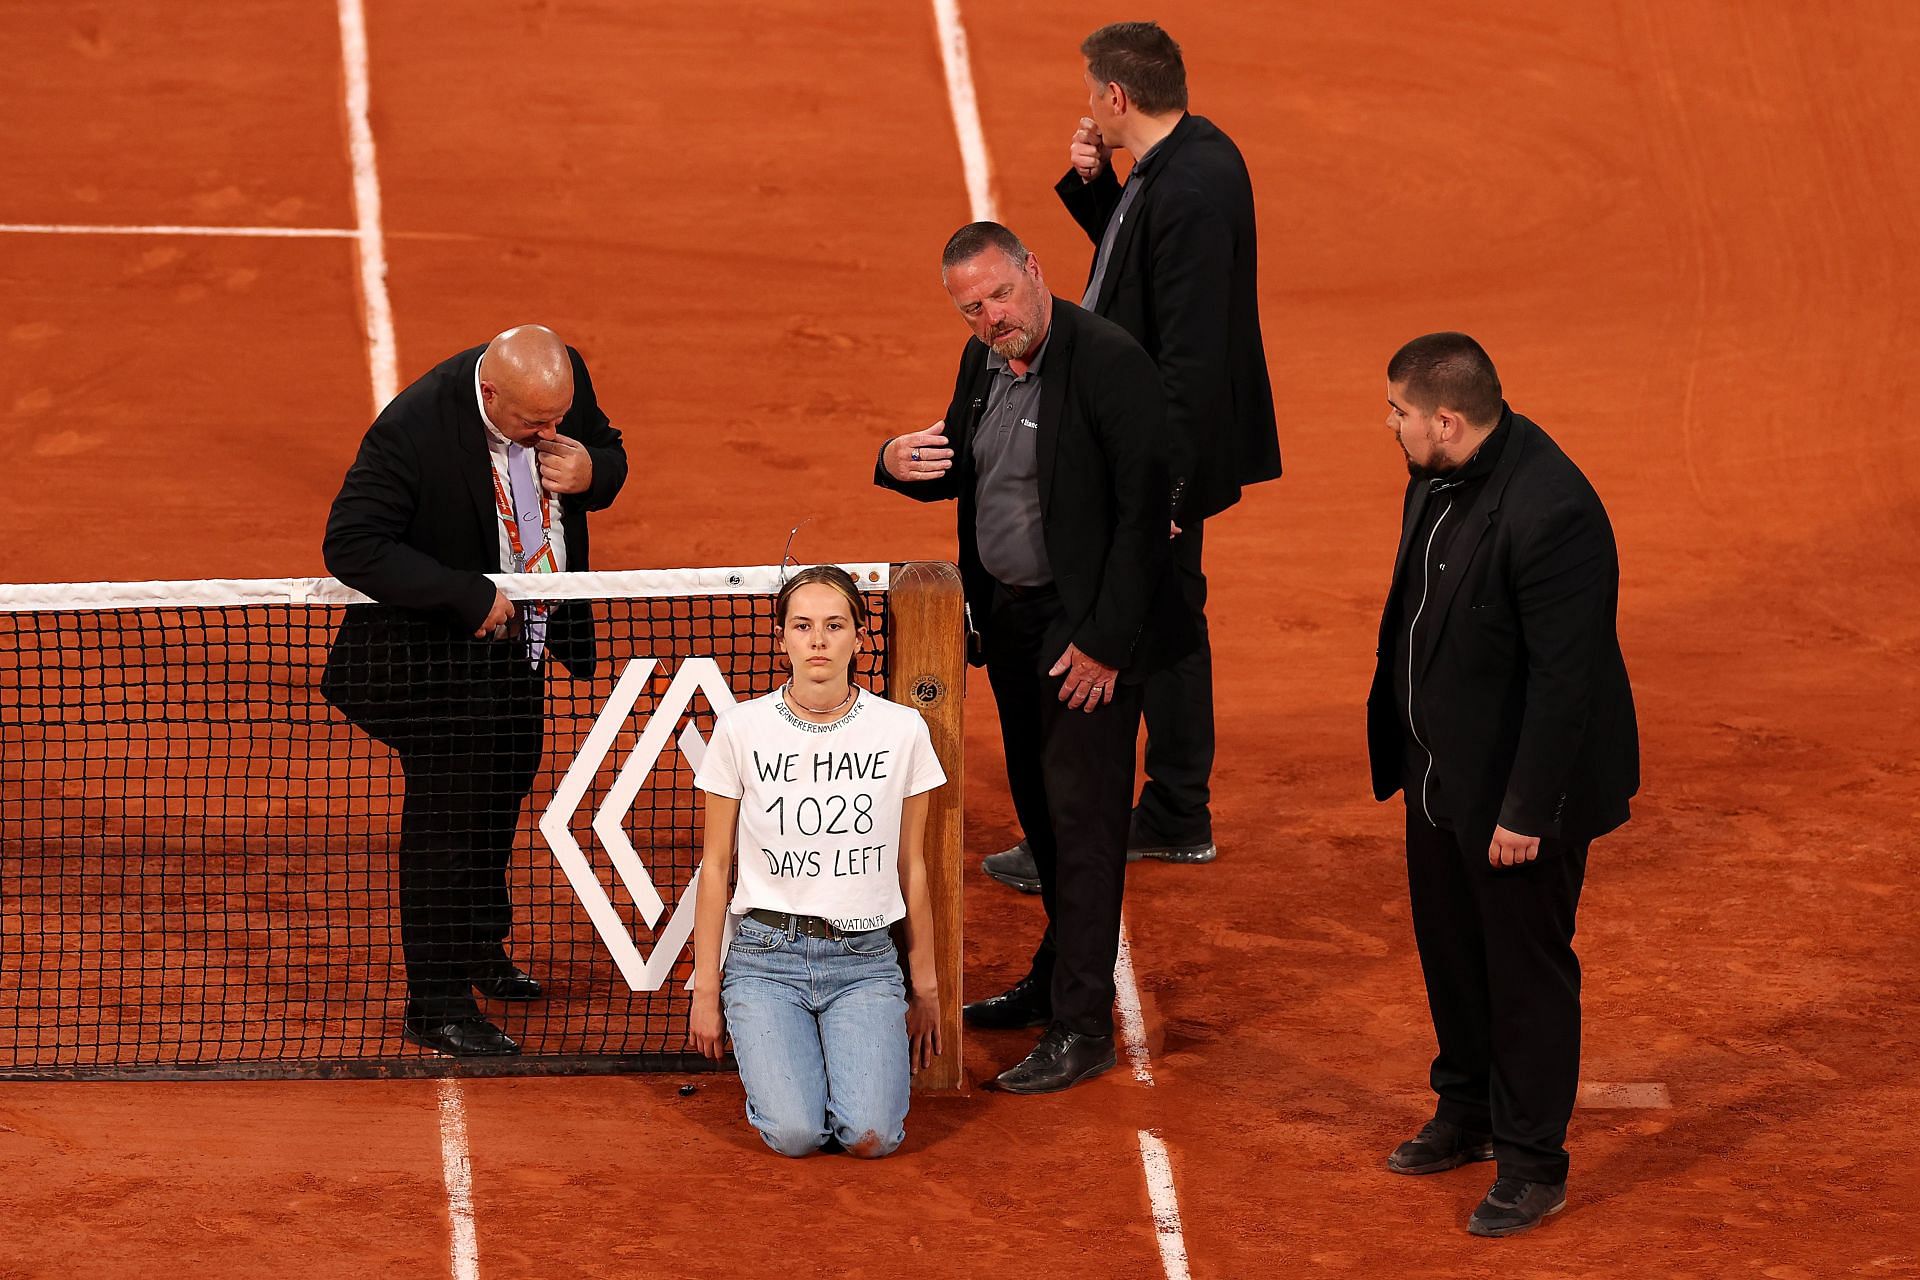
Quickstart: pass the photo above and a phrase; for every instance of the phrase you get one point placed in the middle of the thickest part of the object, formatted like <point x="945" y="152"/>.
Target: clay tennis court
<point x="1685" y="231"/>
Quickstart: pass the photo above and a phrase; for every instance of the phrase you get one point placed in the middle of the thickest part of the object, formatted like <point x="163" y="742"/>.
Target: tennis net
<point x="203" y="861"/>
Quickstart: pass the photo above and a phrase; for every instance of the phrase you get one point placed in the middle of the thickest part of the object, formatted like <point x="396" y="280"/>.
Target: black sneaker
<point x="1514" y="1205"/>
<point x="1014" y="867"/>
<point x="1440" y="1145"/>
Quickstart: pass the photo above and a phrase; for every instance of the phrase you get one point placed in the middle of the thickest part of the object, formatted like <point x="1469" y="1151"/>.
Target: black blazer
<point x="416" y="528"/>
<point x="1520" y="677"/>
<point x="1182" y="281"/>
<point x="1103" y="495"/>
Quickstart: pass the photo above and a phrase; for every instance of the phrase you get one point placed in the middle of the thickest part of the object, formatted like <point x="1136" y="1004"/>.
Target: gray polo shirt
<point x="1006" y="462"/>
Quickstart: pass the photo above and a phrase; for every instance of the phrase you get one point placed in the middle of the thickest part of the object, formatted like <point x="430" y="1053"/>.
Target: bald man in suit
<point x="489" y="463"/>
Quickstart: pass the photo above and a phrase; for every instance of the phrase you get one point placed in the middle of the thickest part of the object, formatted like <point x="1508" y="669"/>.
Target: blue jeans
<point x="819" y="1028"/>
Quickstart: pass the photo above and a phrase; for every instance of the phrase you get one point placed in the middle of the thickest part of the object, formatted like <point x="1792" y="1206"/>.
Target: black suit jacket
<point x="1523" y="690"/>
<point x="416" y="528"/>
<point x="1103" y="494"/>
<point x="1182" y="281"/>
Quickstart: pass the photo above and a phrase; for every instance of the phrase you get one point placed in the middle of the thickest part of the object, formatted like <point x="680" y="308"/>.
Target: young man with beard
<point x="1500" y="707"/>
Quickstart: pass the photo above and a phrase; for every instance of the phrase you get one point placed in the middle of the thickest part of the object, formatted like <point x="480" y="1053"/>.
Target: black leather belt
<point x="805" y="926"/>
<point x="1029" y="593"/>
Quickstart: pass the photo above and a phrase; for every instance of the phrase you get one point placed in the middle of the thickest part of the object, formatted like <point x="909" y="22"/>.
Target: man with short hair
<point x="1054" y="448"/>
<point x="487" y="464"/>
<point x="1175" y="265"/>
<point x="1500" y="707"/>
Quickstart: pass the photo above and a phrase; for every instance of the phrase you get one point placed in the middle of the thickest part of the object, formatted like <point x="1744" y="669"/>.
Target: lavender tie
<point x="526" y="513"/>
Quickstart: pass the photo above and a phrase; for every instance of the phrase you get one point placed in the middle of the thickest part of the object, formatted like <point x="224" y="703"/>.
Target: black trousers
<point x="466" y="777"/>
<point x="1071" y="774"/>
<point x="1174" y="802"/>
<point x="1496" y="946"/>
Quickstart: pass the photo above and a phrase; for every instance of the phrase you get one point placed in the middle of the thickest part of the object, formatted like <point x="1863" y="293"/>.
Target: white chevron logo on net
<point x="642" y="973"/>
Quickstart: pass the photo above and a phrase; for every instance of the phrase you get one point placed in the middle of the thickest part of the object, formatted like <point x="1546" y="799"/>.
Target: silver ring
<point x="916" y="455"/>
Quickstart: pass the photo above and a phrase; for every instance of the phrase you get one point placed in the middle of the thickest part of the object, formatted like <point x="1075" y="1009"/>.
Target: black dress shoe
<point x="1514" y="1205"/>
<point x="461" y="1037"/>
<point x="1440" y="1145"/>
<point x="1061" y="1060"/>
<point x="1023" y="1004"/>
<point x="502" y="980"/>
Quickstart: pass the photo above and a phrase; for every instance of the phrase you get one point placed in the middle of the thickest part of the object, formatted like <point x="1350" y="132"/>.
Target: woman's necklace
<point x="794" y="697"/>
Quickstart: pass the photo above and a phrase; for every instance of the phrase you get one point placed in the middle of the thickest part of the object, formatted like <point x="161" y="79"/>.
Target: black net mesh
<point x="205" y="867"/>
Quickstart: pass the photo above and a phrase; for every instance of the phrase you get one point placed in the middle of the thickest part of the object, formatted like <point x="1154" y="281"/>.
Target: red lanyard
<point x="505" y="510"/>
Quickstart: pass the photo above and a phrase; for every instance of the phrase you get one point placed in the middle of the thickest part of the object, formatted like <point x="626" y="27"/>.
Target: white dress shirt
<point x="497" y="455"/>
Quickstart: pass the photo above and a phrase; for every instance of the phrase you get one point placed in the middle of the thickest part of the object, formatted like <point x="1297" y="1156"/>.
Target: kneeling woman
<point x="821" y="789"/>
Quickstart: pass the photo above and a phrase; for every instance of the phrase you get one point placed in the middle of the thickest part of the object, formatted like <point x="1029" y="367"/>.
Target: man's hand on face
<point x="1088" y="153"/>
<point x="565" y="465"/>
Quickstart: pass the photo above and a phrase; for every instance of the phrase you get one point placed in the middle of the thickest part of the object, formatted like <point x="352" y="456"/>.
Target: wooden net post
<point x="926" y="670"/>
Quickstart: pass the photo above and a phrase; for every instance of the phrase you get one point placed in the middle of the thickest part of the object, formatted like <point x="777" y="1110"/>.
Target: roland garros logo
<point x="642" y="973"/>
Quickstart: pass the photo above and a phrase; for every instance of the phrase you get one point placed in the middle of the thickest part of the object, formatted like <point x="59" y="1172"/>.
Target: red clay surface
<point x="1685" y="231"/>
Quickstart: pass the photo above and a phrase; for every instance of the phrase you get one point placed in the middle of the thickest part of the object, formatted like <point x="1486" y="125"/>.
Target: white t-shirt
<point x="819" y="831"/>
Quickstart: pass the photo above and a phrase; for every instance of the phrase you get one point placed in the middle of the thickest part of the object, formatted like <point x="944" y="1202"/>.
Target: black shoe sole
<point x="1472" y="1155"/>
<point x="1060" y="1086"/>
<point x="1501" y="1233"/>
<point x="1012" y="882"/>
<point x="515" y="997"/>
<point x="1189" y="855"/>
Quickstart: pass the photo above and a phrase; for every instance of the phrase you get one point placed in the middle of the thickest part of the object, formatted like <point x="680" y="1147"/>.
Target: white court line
<point x="1166" y="1207"/>
<point x="269" y="233"/>
<point x="457" y="1168"/>
<point x="456" y="1162"/>
<point x="1647" y="1095"/>
<point x="1153" y="1152"/>
<point x="965" y="107"/>
<point x="383" y="360"/>
<point x="1133" y="1026"/>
